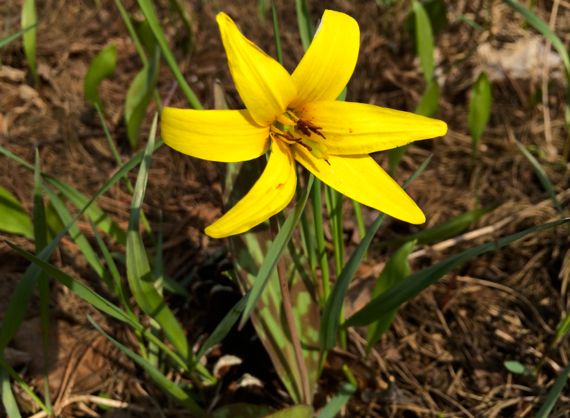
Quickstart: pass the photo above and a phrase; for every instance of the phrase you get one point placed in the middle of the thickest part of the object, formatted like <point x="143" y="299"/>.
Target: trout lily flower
<point x="296" y="117"/>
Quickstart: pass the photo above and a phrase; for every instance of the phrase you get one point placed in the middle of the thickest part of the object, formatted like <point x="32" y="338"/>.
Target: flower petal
<point x="358" y="128"/>
<point x="268" y="196"/>
<point x="362" y="179"/>
<point x="263" y="84"/>
<point x="328" y="64"/>
<point x="215" y="135"/>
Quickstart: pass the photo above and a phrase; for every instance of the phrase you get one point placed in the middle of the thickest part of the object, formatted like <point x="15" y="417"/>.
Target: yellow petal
<point x="362" y="179"/>
<point x="263" y="84"/>
<point x="215" y="135"/>
<point x="358" y="128"/>
<point x="329" y="62"/>
<point x="268" y="196"/>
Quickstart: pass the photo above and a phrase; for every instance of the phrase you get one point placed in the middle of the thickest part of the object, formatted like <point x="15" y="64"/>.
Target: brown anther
<point x="307" y="128"/>
<point x="327" y="161"/>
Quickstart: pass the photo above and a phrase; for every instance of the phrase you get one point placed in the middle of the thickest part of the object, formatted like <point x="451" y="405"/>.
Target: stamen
<point x="307" y="128"/>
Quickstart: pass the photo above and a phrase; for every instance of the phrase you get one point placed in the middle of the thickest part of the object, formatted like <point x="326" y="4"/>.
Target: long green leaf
<point x="418" y="281"/>
<point x="28" y="19"/>
<point x="101" y="67"/>
<point x="277" y="246"/>
<point x="11" y="38"/>
<point x="333" y="308"/>
<point x="554" y="393"/>
<point x="13" y="217"/>
<point x="424" y="40"/>
<point x="8" y="399"/>
<point x="333" y="407"/>
<point x="542" y="176"/>
<point x="479" y="109"/>
<point x="139" y="274"/>
<point x="304" y="23"/>
<point x="150" y="15"/>
<point x="167" y="385"/>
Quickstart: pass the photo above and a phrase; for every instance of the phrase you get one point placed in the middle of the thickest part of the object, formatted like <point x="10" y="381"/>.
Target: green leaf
<point x="479" y="108"/>
<point x="333" y="407"/>
<point x="448" y="229"/>
<point x="333" y="307"/>
<point x="542" y="176"/>
<point x="554" y="393"/>
<point x="156" y="375"/>
<point x="13" y="217"/>
<point x="562" y="329"/>
<point x="429" y="103"/>
<point x="416" y="282"/>
<point x="101" y="67"/>
<point x="241" y="410"/>
<point x="395" y="270"/>
<point x="8" y="399"/>
<point x="275" y="250"/>
<point x="516" y="367"/>
<point x="11" y="38"/>
<point x="139" y="274"/>
<point x="304" y="23"/>
<point x="138" y="97"/>
<point x="29" y="19"/>
<point x="297" y="411"/>
<point x="424" y="40"/>
<point x="150" y="15"/>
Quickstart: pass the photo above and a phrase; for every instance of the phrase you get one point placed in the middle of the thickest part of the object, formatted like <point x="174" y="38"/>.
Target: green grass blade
<point x="424" y="40"/>
<point x="13" y="217"/>
<point x="429" y="102"/>
<point x="277" y="246"/>
<point x="448" y="229"/>
<point x="23" y="385"/>
<point x="418" y="281"/>
<point x="138" y="97"/>
<point x="148" y="11"/>
<point x="542" y="176"/>
<point x="156" y="375"/>
<point x="396" y="269"/>
<point x="541" y="26"/>
<point x="333" y="407"/>
<point x="333" y="307"/>
<point x="40" y="238"/>
<point x="28" y="19"/>
<point x="139" y="273"/>
<point x="11" y="38"/>
<point x="180" y="10"/>
<point x="304" y="23"/>
<point x="76" y="234"/>
<point x="479" y="109"/>
<point x="297" y="411"/>
<point x="276" y="32"/>
<point x="317" y="202"/>
<point x="8" y="399"/>
<point x="562" y="329"/>
<point x="554" y="393"/>
<point x="223" y="328"/>
<point x="101" y="67"/>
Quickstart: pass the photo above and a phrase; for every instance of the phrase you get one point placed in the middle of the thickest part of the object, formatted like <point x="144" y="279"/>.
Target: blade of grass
<point x="418" y="281"/>
<point x="304" y="23"/>
<point x="11" y="38"/>
<point x="542" y="176"/>
<point x="156" y="375"/>
<point x="554" y="393"/>
<point x="480" y="105"/>
<point x="23" y="385"/>
<point x="100" y="68"/>
<point x="8" y="399"/>
<point x="333" y="307"/>
<point x="333" y="407"/>
<point x="317" y="201"/>
<point x="40" y="240"/>
<point x="276" y="33"/>
<point x="139" y="273"/>
<point x="424" y="40"/>
<point x="150" y="15"/>
<point x="277" y="246"/>
<point x="29" y="18"/>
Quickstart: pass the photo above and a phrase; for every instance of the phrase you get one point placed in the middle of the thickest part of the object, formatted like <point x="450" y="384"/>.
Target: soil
<point x="445" y="354"/>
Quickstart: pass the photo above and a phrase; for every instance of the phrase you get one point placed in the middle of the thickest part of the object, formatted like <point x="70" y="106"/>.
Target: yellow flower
<point x="296" y="118"/>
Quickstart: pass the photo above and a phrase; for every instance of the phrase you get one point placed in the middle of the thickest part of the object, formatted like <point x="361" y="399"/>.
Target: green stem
<point x="320" y="238"/>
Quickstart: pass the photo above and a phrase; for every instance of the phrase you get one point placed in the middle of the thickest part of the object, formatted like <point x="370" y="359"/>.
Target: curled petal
<point x="263" y="84"/>
<point x="362" y="179"/>
<point x="358" y="128"/>
<point x="215" y="135"/>
<point x="269" y="195"/>
<point x="328" y="64"/>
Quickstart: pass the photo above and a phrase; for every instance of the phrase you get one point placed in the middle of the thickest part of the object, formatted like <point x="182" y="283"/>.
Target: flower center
<point x="294" y="131"/>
